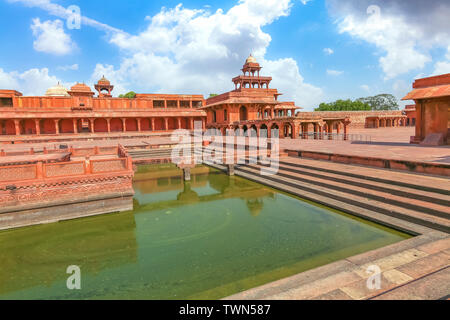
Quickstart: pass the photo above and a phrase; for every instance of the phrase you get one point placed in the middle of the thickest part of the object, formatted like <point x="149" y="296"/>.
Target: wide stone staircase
<point x="420" y="199"/>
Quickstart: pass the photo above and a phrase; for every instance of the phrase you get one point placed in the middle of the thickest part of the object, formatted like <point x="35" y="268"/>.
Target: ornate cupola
<point x="57" y="91"/>
<point x="80" y="90"/>
<point x="251" y="78"/>
<point x="104" y="88"/>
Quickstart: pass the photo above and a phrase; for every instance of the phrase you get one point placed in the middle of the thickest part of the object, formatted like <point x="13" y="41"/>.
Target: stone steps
<point x="412" y="191"/>
<point x="320" y="190"/>
<point x="402" y="179"/>
<point x="428" y="205"/>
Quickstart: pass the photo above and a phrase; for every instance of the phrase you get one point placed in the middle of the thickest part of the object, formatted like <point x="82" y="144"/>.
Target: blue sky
<point x="315" y="50"/>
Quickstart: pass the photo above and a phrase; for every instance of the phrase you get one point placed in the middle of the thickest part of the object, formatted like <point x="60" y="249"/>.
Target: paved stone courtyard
<point x="386" y="143"/>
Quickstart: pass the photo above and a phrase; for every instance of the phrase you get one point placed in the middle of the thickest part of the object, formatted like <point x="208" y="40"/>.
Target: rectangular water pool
<point x="205" y="239"/>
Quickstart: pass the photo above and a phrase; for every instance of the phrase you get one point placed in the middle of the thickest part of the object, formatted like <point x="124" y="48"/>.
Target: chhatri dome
<point x="250" y="59"/>
<point x="57" y="91"/>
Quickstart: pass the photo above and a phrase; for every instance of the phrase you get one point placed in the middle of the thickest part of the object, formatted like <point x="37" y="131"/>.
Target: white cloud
<point x="442" y="67"/>
<point x="68" y="67"/>
<point x="51" y="38"/>
<point x="332" y="72"/>
<point x="403" y="43"/>
<point x="392" y="35"/>
<point x="196" y="51"/>
<point x="33" y="82"/>
<point x="61" y="12"/>
<point x="328" y="51"/>
<point x="365" y="87"/>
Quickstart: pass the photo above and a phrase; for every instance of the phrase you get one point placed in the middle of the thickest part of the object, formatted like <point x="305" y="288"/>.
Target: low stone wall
<point x="44" y="192"/>
<point x="413" y="166"/>
<point x="357" y="118"/>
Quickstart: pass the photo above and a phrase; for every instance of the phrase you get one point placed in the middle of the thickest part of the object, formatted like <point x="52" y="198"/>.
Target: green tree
<point x="212" y="95"/>
<point x="343" y="105"/>
<point x="129" y="95"/>
<point x="381" y="102"/>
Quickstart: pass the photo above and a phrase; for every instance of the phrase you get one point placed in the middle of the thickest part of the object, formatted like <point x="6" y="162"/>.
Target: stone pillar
<point x="166" y="124"/>
<point x="108" y="123"/>
<point x="56" y="126"/>
<point x="179" y="122"/>
<point x="124" y="125"/>
<point x="139" y="124"/>
<point x="39" y="170"/>
<point x="38" y="127"/>
<point x="330" y="130"/>
<point x="153" y="124"/>
<point x="305" y="130"/>
<point x="17" y="127"/>
<point x="230" y="169"/>
<point x="75" y="127"/>
<point x="192" y="123"/>
<point x="187" y="174"/>
<point x="87" y="166"/>
<point x="91" y="125"/>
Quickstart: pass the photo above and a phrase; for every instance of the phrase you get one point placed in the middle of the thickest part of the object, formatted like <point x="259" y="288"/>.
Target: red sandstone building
<point x="253" y="105"/>
<point x="432" y="98"/>
<point x="78" y="111"/>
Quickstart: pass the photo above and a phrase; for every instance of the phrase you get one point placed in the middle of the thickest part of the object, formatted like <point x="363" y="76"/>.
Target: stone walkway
<point x="387" y="143"/>
<point x="416" y="268"/>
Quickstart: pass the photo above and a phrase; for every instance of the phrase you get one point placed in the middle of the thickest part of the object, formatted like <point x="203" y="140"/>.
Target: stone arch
<point x="244" y="130"/>
<point x="146" y="124"/>
<point x="47" y="126"/>
<point x="65" y="126"/>
<point x="243" y="113"/>
<point x="27" y="126"/>
<point x="8" y="127"/>
<point x="131" y="124"/>
<point x="288" y="130"/>
<point x="253" y="131"/>
<point x="274" y="128"/>
<point x="116" y="125"/>
<point x="263" y="131"/>
<point x="100" y="125"/>
<point x="159" y="124"/>
<point x="172" y="124"/>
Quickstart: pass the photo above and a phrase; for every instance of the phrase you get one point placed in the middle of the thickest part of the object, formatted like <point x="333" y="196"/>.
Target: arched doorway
<point x="244" y="130"/>
<point x="263" y="131"/>
<point x="100" y="125"/>
<point x="66" y="126"/>
<point x="159" y="124"/>
<point x="48" y="126"/>
<point x="27" y="126"/>
<point x="131" y="124"/>
<point x="274" y="131"/>
<point x="237" y="131"/>
<point x="172" y="124"/>
<point x="243" y="114"/>
<point x="9" y="127"/>
<point x="116" y="125"/>
<point x="145" y="124"/>
<point x="288" y="130"/>
<point x="253" y="131"/>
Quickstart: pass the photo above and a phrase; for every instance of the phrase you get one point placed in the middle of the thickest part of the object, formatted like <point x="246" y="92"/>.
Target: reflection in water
<point x="40" y="255"/>
<point x="208" y="238"/>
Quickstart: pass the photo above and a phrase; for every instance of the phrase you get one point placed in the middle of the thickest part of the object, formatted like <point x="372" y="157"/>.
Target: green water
<point x="206" y="239"/>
